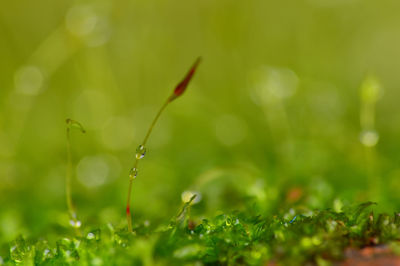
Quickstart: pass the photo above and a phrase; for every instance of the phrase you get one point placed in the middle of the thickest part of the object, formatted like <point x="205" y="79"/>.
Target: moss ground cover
<point x="238" y="238"/>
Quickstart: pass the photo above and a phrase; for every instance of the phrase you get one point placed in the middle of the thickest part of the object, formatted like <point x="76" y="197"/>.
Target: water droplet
<point x="75" y="223"/>
<point x="140" y="152"/>
<point x="228" y="221"/>
<point x="46" y="252"/>
<point x="94" y="235"/>
<point x="133" y="173"/>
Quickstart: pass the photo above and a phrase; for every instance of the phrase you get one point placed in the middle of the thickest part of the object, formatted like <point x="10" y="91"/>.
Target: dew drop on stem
<point x="75" y="223"/>
<point x="140" y="152"/>
<point x="133" y="173"/>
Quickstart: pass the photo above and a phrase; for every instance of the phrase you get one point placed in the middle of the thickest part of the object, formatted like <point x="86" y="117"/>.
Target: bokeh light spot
<point x="81" y="20"/>
<point x="29" y="80"/>
<point x="230" y="130"/>
<point x="271" y="83"/>
<point x="369" y="138"/>
<point x="97" y="170"/>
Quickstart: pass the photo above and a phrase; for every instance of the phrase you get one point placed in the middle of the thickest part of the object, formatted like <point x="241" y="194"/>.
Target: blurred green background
<point x="295" y="103"/>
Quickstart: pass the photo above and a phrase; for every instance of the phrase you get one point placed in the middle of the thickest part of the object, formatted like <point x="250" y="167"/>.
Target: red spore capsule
<point x="181" y="87"/>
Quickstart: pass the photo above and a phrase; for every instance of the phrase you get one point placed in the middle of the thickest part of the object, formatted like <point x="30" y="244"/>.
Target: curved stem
<point x="154" y="122"/>
<point x="179" y="90"/>
<point x="128" y="211"/>
<point x="70" y="205"/>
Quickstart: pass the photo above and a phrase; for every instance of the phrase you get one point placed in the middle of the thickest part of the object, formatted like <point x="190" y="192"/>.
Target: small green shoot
<point x="141" y="150"/>
<point x="185" y="210"/>
<point x="71" y="209"/>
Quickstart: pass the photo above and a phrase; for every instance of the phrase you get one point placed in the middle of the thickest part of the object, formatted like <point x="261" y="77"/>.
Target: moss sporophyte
<point x="74" y="222"/>
<point x="141" y="149"/>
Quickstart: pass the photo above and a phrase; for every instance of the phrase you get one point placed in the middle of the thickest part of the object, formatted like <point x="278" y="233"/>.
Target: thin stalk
<point x="71" y="209"/>
<point x="154" y="122"/>
<point x="141" y="150"/>
<point x="133" y="174"/>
